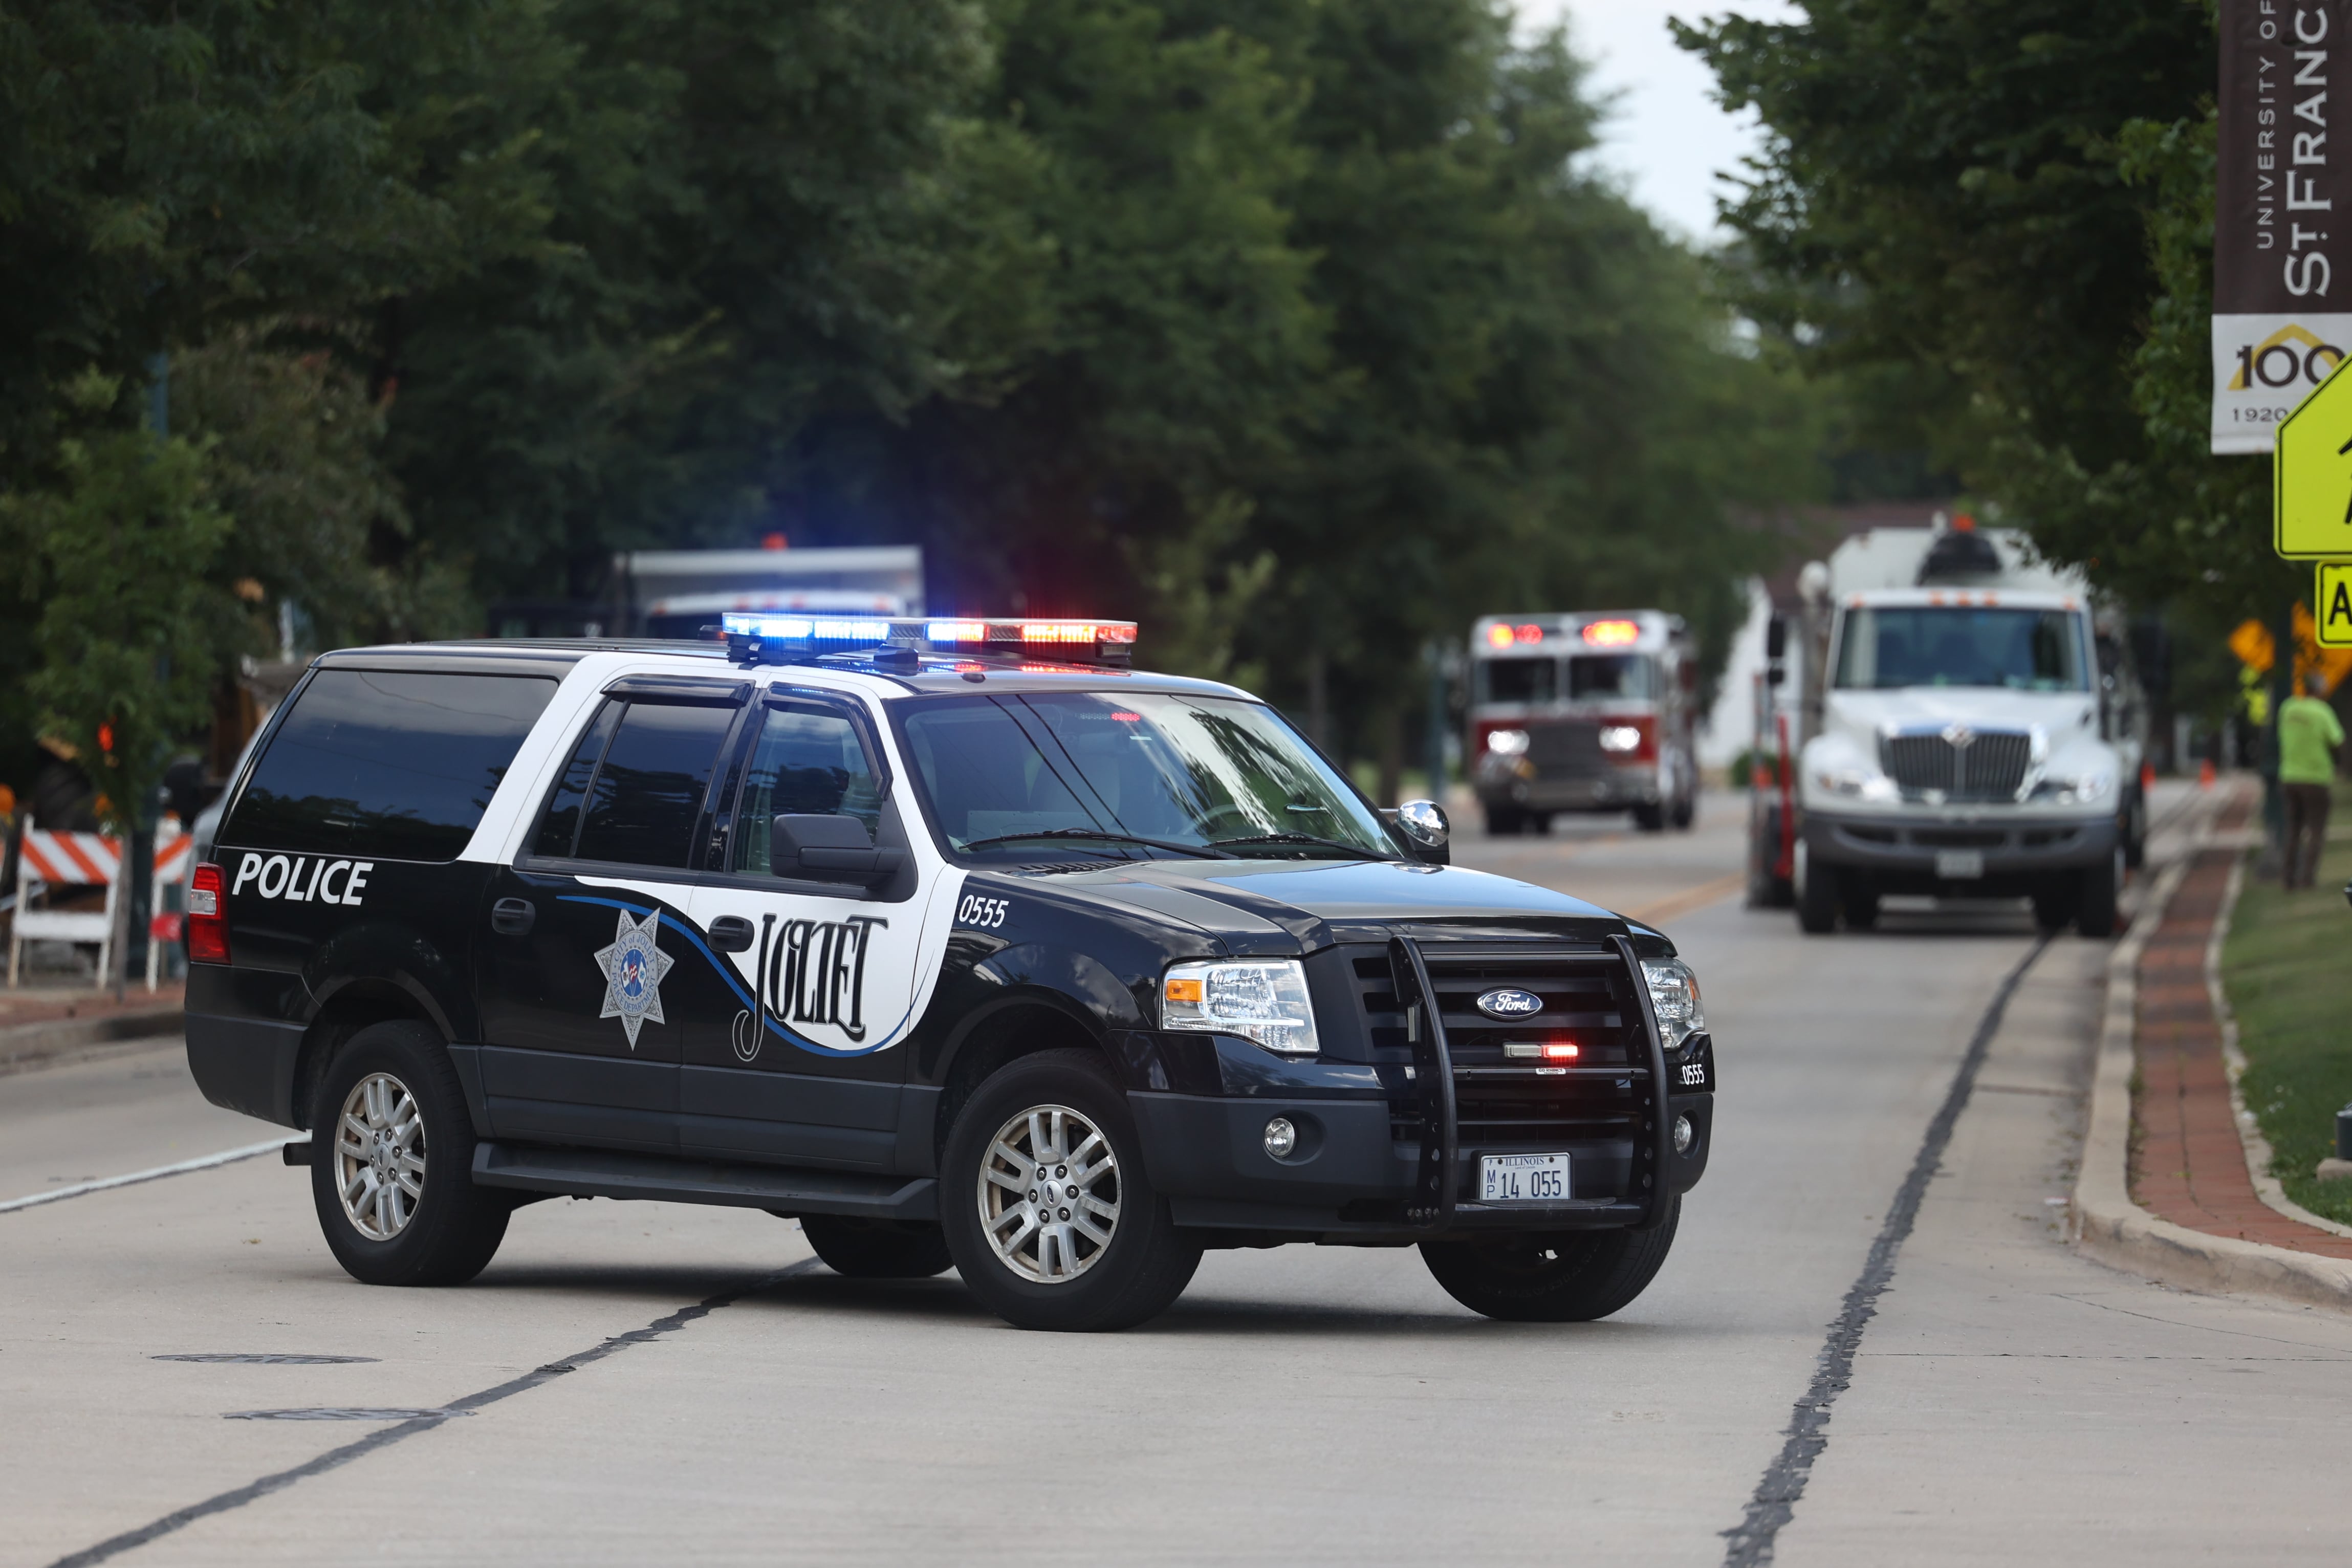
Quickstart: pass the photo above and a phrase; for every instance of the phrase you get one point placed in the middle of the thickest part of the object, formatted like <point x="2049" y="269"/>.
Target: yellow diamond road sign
<point x="2311" y="474"/>
<point x="2334" y="600"/>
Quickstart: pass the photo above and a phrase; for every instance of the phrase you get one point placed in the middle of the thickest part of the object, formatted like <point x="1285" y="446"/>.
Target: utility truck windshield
<point x="1125" y="775"/>
<point x="1885" y="647"/>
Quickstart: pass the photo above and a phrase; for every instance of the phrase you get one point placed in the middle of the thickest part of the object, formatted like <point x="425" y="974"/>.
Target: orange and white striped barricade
<point x="48" y="860"/>
<point x="175" y="862"/>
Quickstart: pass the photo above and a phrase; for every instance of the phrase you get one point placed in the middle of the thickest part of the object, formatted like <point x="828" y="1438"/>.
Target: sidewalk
<point x="2165" y="1187"/>
<point x="38" y="1024"/>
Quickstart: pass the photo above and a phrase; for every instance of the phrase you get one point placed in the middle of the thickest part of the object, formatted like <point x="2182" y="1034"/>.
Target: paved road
<point x="2009" y="1401"/>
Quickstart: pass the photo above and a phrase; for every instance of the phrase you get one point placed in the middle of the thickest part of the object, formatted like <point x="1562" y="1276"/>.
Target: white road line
<point x="203" y="1163"/>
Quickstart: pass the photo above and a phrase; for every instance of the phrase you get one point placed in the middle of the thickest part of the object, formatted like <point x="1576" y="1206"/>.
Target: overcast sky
<point x="1668" y="136"/>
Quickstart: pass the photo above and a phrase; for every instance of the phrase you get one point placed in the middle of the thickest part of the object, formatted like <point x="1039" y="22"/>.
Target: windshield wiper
<point x="1358" y="851"/>
<point x="1197" y="851"/>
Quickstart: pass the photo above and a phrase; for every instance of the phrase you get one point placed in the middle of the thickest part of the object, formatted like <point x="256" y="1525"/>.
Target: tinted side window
<point x="643" y="801"/>
<point x="559" y="828"/>
<point x="807" y="763"/>
<point x="386" y="763"/>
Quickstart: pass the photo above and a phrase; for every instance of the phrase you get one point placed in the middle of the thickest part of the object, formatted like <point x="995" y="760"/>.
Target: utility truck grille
<point x="1965" y="764"/>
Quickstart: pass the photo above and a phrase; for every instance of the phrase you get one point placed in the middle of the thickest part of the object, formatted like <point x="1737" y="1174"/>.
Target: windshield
<point x="1937" y="644"/>
<point x="1603" y="675"/>
<point x="1520" y="680"/>
<point x="1181" y="771"/>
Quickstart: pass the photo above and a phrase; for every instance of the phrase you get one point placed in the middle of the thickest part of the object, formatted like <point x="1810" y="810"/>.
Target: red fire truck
<point x="1591" y="710"/>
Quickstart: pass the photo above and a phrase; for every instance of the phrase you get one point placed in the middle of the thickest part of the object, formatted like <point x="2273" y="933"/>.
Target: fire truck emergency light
<point x="1611" y="634"/>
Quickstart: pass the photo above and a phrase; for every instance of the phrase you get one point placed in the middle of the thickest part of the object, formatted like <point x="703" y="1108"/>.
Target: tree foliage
<point x="1298" y="329"/>
<point x="2011" y="201"/>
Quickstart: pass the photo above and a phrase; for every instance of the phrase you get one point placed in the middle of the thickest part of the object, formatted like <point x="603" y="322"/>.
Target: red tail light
<point x="207" y="917"/>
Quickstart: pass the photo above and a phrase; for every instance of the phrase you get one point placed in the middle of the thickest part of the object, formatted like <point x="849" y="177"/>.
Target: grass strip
<point x="2287" y="971"/>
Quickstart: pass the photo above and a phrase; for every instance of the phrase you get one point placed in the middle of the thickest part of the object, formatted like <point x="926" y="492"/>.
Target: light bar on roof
<point x="755" y="637"/>
<point x="1612" y="634"/>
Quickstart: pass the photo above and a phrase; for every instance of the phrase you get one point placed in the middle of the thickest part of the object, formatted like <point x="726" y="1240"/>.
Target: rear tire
<point x="1072" y="1282"/>
<point x="2094" y="908"/>
<point x="876" y="1248"/>
<point x="389" y="1127"/>
<point x="1505" y="821"/>
<point x="1650" y="819"/>
<point x="1564" y="1278"/>
<point x="1817" y="901"/>
<point x="1539" y="823"/>
<point x="2134" y="832"/>
<point x="1686" y="813"/>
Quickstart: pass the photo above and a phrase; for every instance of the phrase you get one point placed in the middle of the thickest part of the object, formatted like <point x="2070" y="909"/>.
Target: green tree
<point x="109" y="565"/>
<point x="2013" y="198"/>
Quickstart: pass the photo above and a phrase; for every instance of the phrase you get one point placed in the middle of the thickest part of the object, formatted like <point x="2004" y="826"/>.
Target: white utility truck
<point x="1972" y="730"/>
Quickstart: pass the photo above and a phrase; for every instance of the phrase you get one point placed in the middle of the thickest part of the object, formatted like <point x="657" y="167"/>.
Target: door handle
<point x="513" y="917"/>
<point x="731" y="933"/>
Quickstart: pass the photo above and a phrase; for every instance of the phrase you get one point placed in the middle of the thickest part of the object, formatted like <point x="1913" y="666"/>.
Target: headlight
<point x="1674" y="996"/>
<point x="1857" y="783"/>
<point x="2083" y="789"/>
<point x="1620" y="738"/>
<point x="1506" y="743"/>
<point x="1263" y="1000"/>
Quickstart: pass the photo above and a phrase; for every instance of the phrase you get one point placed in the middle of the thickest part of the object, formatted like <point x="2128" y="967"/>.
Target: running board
<point x="607" y="1173"/>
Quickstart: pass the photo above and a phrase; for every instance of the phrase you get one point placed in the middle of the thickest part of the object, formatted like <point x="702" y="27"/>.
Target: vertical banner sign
<point x="2283" y="213"/>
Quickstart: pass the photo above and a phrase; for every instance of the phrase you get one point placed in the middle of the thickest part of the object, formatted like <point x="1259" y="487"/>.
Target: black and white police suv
<point x="962" y="942"/>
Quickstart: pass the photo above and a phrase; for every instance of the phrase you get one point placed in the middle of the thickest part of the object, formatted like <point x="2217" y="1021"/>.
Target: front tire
<point x="392" y="1160"/>
<point x="1650" y="819"/>
<point x="1049" y="1214"/>
<point x="1505" y="821"/>
<point x="2094" y="906"/>
<point x="1571" y="1277"/>
<point x="876" y="1248"/>
<point x="1858" y="901"/>
<point x="1817" y="901"/>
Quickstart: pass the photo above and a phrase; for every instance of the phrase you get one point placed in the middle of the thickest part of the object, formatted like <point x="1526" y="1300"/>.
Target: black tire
<point x="1686" y="813"/>
<point x="1572" y="1277"/>
<point x="1147" y="1261"/>
<point x="2134" y="832"/>
<point x="1650" y="819"/>
<point x="1858" y="901"/>
<point x="1817" y="901"/>
<point x="876" y="1248"/>
<point x="454" y="1228"/>
<point x="2095" y="897"/>
<point x="1539" y="823"/>
<point x="2053" y="904"/>
<point x="1505" y="821"/>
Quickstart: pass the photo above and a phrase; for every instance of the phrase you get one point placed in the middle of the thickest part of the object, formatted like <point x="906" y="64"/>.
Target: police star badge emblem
<point x="633" y="969"/>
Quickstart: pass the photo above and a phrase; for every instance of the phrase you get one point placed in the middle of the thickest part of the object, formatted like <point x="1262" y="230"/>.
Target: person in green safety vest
<point x="2308" y="734"/>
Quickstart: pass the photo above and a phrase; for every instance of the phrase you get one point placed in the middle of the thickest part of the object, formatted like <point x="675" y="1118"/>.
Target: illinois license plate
<point x="1960" y="865"/>
<point x="1522" y="1178"/>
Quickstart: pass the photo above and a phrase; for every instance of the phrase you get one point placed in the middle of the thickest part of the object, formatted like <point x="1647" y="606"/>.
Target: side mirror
<point x="1423" y="825"/>
<point x="828" y="848"/>
<point x="1776" y="637"/>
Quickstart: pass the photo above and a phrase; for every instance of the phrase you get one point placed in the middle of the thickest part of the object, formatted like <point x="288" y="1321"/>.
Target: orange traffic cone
<point x="2146" y="777"/>
<point x="2205" y="774"/>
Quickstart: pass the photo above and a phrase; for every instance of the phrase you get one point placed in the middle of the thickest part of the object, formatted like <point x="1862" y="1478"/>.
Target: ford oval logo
<point x="1510" y="1003"/>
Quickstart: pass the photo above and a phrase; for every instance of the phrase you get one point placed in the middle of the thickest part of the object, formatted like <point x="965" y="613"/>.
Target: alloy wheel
<point x="1049" y="1194"/>
<point x="380" y="1156"/>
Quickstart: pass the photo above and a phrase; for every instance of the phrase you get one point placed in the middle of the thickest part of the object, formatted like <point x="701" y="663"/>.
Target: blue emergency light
<point x="758" y="637"/>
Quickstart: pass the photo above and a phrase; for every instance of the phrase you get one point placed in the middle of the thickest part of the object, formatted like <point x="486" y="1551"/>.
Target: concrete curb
<point x="2108" y="1226"/>
<point x="32" y="1044"/>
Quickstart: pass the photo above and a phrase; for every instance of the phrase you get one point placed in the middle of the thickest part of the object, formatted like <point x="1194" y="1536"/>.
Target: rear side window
<point x="394" y="765"/>
<point x="635" y="784"/>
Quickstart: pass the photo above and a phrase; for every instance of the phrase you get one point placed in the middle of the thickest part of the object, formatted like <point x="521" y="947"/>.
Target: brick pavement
<point x="2188" y="1164"/>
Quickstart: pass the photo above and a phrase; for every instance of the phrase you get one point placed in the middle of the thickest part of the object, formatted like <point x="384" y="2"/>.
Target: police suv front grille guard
<point x="1434" y="1200"/>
